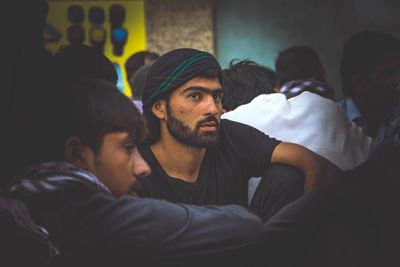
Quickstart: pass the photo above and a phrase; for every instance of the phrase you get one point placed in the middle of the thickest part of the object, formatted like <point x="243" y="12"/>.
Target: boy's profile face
<point x="118" y="163"/>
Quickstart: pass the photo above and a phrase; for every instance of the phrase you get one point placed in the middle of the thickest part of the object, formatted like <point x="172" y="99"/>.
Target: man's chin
<point x="210" y="140"/>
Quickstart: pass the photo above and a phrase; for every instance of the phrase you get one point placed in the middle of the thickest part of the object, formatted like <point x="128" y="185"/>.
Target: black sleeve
<point x="255" y="147"/>
<point x="136" y="227"/>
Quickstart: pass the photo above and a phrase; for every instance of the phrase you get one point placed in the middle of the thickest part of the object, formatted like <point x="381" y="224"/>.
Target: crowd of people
<point x="243" y="166"/>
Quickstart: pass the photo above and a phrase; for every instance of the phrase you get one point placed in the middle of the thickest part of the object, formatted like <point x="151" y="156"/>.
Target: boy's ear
<point x="75" y="153"/>
<point x="159" y="109"/>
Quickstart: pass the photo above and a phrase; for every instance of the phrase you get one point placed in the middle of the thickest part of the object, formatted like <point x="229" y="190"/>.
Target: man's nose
<point x="141" y="168"/>
<point x="212" y="106"/>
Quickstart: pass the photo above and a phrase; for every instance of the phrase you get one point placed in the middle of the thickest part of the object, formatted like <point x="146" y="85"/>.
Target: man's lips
<point x="209" y="126"/>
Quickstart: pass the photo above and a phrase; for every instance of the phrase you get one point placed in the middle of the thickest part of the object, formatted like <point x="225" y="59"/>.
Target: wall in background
<point x="259" y="29"/>
<point x="180" y="23"/>
<point x="255" y="29"/>
<point x="133" y="39"/>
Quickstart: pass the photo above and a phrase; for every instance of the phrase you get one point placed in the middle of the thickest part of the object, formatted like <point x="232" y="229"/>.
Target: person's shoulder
<point x="233" y="127"/>
<point x="239" y="133"/>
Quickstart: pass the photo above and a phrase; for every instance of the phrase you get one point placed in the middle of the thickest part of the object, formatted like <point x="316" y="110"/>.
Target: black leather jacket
<point x="22" y="242"/>
<point x="90" y="226"/>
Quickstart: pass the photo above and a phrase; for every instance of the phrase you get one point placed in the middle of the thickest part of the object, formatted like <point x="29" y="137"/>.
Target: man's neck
<point x="177" y="159"/>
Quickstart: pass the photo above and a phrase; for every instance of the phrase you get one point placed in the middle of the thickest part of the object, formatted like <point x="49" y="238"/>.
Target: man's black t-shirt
<point x="241" y="153"/>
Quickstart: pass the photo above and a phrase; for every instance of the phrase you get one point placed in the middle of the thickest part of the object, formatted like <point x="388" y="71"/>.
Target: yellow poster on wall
<point x="115" y="27"/>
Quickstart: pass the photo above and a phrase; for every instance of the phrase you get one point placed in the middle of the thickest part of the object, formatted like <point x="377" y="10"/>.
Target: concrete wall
<point x="180" y="23"/>
<point x="259" y="29"/>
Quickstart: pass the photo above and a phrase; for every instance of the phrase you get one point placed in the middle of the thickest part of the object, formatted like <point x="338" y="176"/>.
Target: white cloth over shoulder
<point x="310" y="120"/>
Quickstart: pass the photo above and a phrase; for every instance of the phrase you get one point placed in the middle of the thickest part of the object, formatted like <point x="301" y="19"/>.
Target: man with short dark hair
<point x="299" y="69"/>
<point x="240" y="84"/>
<point x="198" y="158"/>
<point x="370" y="71"/>
<point x="298" y="62"/>
<point x="136" y="67"/>
<point x="293" y="119"/>
<point x="138" y="59"/>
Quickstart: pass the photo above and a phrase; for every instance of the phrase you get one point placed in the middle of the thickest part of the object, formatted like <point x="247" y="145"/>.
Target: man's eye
<point x="130" y="148"/>
<point x="195" y="96"/>
<point x="218" y="97"/>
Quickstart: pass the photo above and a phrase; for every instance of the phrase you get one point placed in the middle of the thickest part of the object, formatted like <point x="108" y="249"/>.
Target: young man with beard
<point x="200" y="159"/>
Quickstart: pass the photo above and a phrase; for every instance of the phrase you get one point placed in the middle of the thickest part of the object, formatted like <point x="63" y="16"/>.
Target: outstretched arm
<point x="149" y="229"/>
<point x="317" y="170"/>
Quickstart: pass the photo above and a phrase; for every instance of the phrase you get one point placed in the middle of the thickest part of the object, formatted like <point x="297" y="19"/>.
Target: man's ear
<point x="74" y="153"/>
<point x="159" y="109"/>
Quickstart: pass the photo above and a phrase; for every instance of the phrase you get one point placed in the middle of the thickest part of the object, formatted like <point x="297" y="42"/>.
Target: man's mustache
<point x="208" y="119"/>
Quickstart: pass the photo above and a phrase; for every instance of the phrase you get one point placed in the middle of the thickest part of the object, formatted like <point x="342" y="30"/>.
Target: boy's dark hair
<point x="243" y="81"/>
<point x="89" y="110"/>
<point x="153" y="123"/>
<point x="79" y="62"/>
<point x="360" y="53"/>
<point x="297" y="63"/>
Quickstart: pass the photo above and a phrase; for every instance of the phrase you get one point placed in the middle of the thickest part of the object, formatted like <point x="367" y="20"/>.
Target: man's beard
<point x="181" y="132"/>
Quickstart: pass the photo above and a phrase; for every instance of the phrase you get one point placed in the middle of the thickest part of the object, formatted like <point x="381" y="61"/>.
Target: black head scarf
<point x="174" y="69"/>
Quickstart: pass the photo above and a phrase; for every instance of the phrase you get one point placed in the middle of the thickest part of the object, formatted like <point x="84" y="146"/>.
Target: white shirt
<point x="310" y="120"/>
